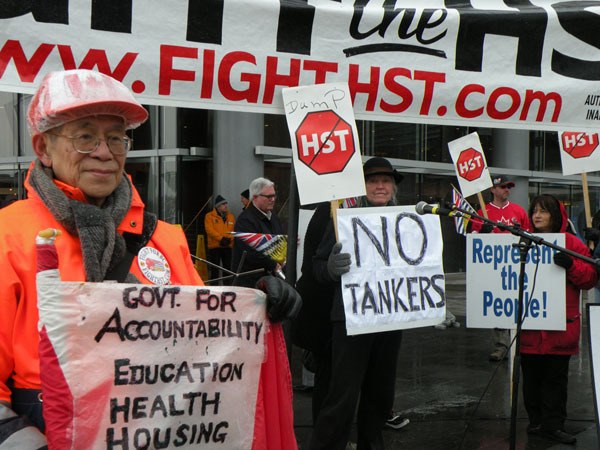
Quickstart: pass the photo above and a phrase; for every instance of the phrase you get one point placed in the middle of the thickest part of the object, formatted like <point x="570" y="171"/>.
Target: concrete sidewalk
<point x="455" y="398"/>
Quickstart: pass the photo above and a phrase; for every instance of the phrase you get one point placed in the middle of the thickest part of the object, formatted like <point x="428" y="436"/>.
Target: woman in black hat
<point x="363" y="367"/>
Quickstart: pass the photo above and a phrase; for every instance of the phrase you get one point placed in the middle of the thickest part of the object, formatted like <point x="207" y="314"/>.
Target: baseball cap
<point x="381" y="166"/>
<point x="69" y="95"/>
<point x="501" y="180"/>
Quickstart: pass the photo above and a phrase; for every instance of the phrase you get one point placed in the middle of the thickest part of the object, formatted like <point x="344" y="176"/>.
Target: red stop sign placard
<point x="579" y="145"/>
<point x="325" y="142"/>
<point x="470" y="164"/>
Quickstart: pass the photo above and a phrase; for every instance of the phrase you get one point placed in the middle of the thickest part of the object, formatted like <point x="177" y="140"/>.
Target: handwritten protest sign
<point x="151" y="367"/>
<point x="470" y="164"/>
<point x="492" y="283"/>
<point x="325" y="146"/>
<point x="396" y="279"/>
<point x="579" y="152"/>
<point x="593" y="319"/>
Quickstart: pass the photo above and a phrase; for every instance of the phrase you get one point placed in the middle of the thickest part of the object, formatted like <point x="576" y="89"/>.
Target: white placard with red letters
<point x="470" y="165"/>
<point x="579" y="152"/>
<point x="325" y="146"/>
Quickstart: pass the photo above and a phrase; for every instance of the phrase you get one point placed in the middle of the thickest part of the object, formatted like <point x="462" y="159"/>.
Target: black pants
<point x="545" y="380"/>
<point x="362" y="367"/>
<point x="322" y="358"/>
<point x="27" y="402"/>
<point x="222" y="257"/>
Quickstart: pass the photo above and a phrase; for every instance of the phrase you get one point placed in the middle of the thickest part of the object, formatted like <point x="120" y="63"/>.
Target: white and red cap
<point x="73" y="94"/>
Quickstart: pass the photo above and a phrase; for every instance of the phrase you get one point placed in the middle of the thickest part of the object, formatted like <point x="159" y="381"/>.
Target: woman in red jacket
<point x="545" y="354"/>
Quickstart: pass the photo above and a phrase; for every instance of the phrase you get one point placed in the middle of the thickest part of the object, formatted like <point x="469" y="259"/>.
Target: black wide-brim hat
<point x="381" y="166"/>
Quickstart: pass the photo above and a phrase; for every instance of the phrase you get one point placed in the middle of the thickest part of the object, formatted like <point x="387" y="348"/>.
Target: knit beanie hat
<point x="219" y="200"/>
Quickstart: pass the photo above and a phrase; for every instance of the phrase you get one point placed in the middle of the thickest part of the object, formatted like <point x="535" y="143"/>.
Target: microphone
<point x="424" y="208"/>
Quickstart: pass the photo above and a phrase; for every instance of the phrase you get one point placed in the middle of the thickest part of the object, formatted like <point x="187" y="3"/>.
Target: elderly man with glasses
<point x="77" y="185"/>
<point x="258" y="217"/>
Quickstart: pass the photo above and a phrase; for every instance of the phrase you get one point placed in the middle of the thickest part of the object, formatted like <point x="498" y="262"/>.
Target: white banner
<point x="579" y="152"/>
<point x="470" y="165"/>
<point x="151" y="366"/>
<point x="593" y="318"/>
<point x="493" y="266"/>
<point x="396" y="280"/>
<point x="532" y="65"/>
<point x="325" y="145"/>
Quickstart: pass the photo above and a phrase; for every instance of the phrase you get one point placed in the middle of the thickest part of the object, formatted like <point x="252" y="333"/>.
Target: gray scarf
<point x="96" y="227"/>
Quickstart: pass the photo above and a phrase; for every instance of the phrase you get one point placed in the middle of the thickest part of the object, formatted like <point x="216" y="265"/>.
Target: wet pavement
<point x="456" y="399"/>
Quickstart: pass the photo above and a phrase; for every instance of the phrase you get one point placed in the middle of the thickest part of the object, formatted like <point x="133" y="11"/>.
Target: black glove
<point x="486" y="228"/>
<point x="338" y="263"/>
<point x="283" y="301"/>
<point x="591" y="234"/>
<point x="225" y="242"/>
<point x="563" y="260"/>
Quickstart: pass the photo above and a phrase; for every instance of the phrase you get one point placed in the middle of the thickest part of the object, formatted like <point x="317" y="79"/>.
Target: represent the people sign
<point x="138" y="366"/>
<point x="396" y="279"/>
<point x="325" y="145"/>
<point x="493" y="267"/>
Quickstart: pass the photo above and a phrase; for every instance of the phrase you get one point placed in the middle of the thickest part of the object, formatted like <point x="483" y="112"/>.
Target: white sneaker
<point x="396" y="422"/>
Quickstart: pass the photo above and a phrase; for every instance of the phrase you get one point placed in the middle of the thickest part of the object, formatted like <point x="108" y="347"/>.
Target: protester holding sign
<point x="363" y="367"/>
<point x="545" y="355"/>
<point x="501" y="210"/>
<point x="311" y="330"/>
<point x="78" y="121"/>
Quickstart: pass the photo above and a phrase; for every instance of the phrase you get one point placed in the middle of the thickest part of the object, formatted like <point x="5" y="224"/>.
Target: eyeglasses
<point x="87" y="143"/>
<point x="268" y="197"/>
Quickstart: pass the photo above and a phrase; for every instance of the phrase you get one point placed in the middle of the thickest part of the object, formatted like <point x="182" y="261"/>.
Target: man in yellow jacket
<point x="218" y="224"/>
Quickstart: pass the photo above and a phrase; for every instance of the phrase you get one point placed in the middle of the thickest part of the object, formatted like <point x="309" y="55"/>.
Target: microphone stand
<point x="525" y="243"/>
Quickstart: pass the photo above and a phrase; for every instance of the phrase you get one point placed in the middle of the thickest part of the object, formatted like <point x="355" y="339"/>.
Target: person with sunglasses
<point x="500" y="209"/>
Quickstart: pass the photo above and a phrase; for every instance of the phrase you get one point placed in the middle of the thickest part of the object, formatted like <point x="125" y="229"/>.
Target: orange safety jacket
<point x="217" y="228"/>
<point x="20" y="223"/>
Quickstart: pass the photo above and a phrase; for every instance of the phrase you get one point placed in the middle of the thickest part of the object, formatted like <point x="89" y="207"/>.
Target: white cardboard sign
<point x="136" y="358"/>
<point x="470" y="164"/>
<point x="579" y="152"/>
<point x="325" y="146"/>
<point x="493" y="266"/>
<point x="396" y="280"/>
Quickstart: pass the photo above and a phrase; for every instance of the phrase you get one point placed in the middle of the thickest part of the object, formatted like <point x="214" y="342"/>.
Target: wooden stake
<point x="482" y="203"/>
<point x="334" y="208"/>
<point x="586" y="204"/>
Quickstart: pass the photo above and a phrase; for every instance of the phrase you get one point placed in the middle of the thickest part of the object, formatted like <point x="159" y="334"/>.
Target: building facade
<point x="182" y="157"/>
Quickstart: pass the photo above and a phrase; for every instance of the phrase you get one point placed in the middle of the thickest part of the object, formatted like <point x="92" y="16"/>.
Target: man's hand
<point x="283" y="301"/>
<point x="563" y="260"/>
<point x="591" y="234"/>
<point x="486" y="228"/>
<point x="338" y="263"/>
